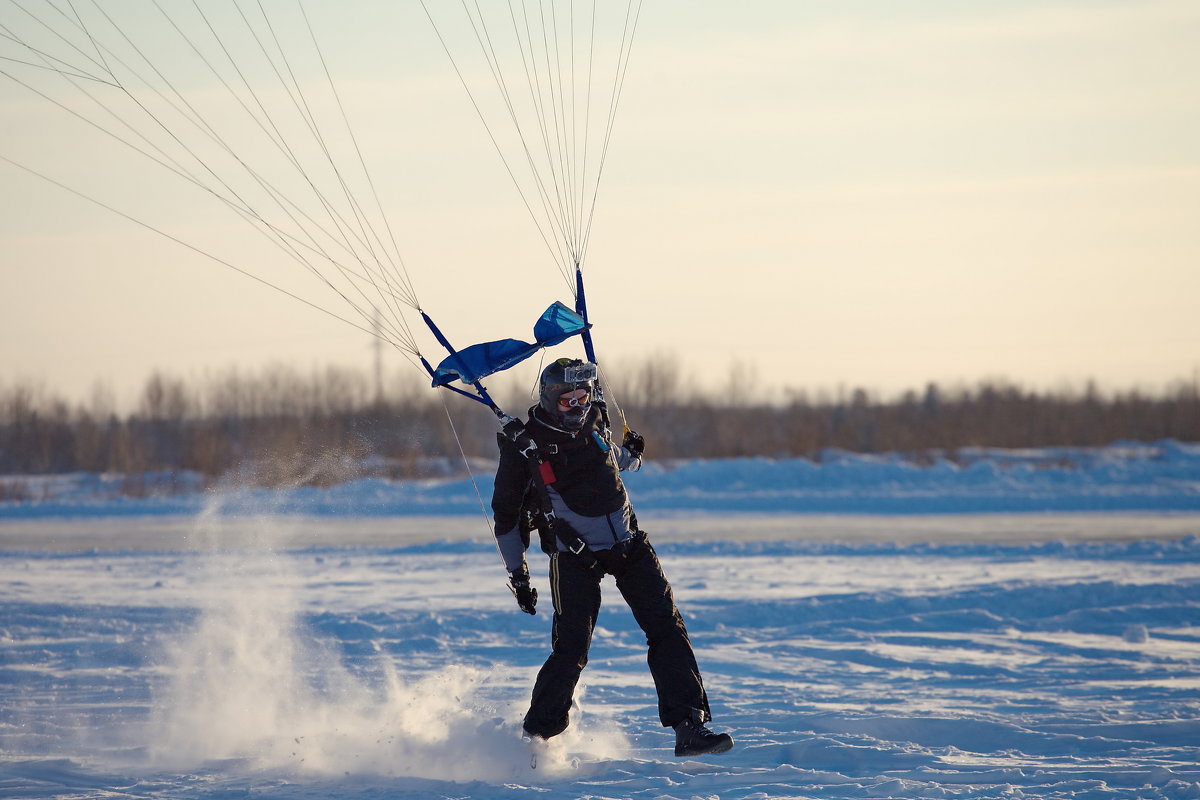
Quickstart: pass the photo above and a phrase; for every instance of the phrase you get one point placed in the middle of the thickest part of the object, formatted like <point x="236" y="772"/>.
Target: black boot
<point x="693" y="739"/>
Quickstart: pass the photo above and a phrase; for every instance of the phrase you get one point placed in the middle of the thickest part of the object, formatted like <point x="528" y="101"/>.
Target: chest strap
<point x="542" y="476"/>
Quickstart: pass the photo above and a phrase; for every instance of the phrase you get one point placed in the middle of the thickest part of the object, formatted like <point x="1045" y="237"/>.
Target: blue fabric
<point x="557" y="324"/>
<point x="470" y="364"/>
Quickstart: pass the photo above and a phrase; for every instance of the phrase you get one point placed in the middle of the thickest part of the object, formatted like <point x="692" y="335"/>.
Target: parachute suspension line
<point x="163" y="159"/>
<point x="301" y="104"/>
<point x="579" y="130"/>
<point x="537" y="98"/>
<point x="391" y="268"/>
<point x="565" y="140"/>
<point x="552" y="121"/>
<point x="466" y="462"/>
<point x="571" y="152"/>
<point x="587" y="119"/>
<point x="366" y="231"/>
<point x="566" y="155"/>
<point x="179" y="241"/>
<point x="537" y="37"/>
<point x="402" y="346"/>
<point x="557" y="151"/>
<point x="397" y="260"/>
<point x="283" y="239"/>
<point x="46" y="57"/>
<point x="488" y="129"/>
<point x="389" y="275"/>
<point x="487" y="521"/>
<point x="559" y="140"/>
<point x="178" y="168"/>
<point x="240" y="206"/>
<point x="618" y="85"/>
<point x="88" y="33"/>
<point x="344" y="229"/>
<point x="566" y="136"/>
<point x="59" y="70"/>
<point x="274" y="134"/>
<point x="611" y="399"/>
<point x="277" y="139"/>
<point x="552" y="206"/>
<point x="402" y="339"/>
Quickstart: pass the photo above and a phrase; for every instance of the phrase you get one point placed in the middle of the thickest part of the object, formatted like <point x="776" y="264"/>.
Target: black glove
<point x="634" y="443"/>
<point x="518" y="584"/>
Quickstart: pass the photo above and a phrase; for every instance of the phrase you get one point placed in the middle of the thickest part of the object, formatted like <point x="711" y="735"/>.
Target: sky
<point x="800" y="194"/>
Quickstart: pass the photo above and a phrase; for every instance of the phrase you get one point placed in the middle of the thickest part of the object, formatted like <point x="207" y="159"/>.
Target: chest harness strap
<point x="542" y="474"/>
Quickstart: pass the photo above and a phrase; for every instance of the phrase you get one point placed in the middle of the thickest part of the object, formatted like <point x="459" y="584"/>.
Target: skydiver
<point x="591" y="531"/>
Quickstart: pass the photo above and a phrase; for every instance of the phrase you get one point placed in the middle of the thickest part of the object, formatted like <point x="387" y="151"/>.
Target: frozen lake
<point x="74" y="534"/>
<point x="969" y="656"/>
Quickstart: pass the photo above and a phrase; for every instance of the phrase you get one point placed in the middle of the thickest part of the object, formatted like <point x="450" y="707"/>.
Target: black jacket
<point x="585" y="467"/>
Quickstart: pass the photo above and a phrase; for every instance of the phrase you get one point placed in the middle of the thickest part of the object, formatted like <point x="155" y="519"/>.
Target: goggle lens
<point x="575" y="399"/>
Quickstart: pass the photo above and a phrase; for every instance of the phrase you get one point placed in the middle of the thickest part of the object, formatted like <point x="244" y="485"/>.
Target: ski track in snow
<point x="972" y="655"/>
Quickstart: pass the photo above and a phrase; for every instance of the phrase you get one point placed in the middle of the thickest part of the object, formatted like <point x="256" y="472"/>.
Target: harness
<point x="542" y="517"/>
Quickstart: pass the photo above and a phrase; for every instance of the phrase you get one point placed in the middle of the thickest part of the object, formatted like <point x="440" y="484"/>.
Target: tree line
<point x="283" y="427"/>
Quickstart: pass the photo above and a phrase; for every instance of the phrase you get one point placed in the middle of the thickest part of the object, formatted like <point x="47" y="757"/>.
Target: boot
<point x="693" y="739"/>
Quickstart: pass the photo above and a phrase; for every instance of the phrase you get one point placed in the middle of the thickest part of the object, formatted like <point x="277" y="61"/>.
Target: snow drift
<point x="1164" y="476"/>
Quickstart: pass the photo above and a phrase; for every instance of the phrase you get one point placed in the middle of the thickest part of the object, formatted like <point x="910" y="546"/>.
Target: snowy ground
<point x="973" y="655"/>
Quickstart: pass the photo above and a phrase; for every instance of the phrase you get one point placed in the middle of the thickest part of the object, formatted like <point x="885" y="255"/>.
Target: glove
<point x="634" y="443"/>
<point x="518" y="584"/>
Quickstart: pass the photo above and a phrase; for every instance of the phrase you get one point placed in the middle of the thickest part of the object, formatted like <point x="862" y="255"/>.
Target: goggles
<point x="576" y="399"/>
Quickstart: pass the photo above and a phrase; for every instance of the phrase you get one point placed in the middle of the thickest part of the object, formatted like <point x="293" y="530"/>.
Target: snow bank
<point x="1164" y="476"/>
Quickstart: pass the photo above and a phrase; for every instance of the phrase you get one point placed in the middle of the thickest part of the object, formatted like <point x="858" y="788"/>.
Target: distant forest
<point x="283" y="427"/>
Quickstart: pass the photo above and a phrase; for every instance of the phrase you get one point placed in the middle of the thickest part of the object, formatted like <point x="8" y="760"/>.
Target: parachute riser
<point x="478" y="399"/>
<point x="481" y="395"/>
<point x="589" y="348"/>
<point x="581" y="309"/>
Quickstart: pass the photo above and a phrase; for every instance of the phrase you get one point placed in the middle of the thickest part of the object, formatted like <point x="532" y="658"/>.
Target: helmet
<point x="562" y="377"/>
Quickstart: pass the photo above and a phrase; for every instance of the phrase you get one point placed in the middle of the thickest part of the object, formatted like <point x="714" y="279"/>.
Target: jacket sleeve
<point x="512" y="477"/>
<point x="512" y="549"/>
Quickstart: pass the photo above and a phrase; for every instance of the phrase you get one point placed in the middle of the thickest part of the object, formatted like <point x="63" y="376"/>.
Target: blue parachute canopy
<point x="470" y="364"/>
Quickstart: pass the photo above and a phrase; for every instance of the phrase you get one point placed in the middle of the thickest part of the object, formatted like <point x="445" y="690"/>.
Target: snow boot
<point x="693" y="739"/>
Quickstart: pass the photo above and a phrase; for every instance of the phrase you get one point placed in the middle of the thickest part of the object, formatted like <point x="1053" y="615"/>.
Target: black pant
<point x="576" y="595"/>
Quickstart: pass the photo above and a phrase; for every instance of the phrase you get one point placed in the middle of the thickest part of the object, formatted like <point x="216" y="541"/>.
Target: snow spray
<point x="250" y="686"/>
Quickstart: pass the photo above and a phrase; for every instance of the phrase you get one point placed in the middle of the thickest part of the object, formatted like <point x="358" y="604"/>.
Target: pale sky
<point x="874" y="194"/>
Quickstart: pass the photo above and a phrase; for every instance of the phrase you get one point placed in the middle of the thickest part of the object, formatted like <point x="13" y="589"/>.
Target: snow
<point x="1025" y="624"/>
<point x="1164" y="476"/>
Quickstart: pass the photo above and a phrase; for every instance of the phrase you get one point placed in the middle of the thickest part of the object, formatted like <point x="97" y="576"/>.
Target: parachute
<point x="237" y="103"/>
<point x="473" y="363"/>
